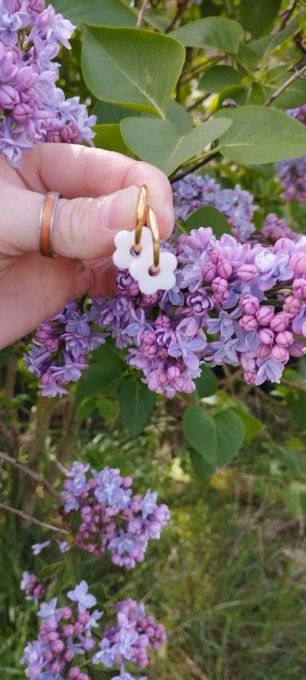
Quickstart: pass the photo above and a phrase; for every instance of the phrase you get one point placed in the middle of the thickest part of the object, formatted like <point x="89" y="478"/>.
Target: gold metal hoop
<point x="152" y="224"/>
<point x="141" y="217"/>
<point x="146" y="216"/>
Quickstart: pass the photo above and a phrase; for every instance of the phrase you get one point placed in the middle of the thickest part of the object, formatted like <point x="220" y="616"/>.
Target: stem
<point x="33" y="520"/>
<point x="287" y="14"/>
<point x="34" y="475"/>
<point x="182" y="5"/>
<point x="142" y="10"/>
<point x="200" y="164"/>
<point x="284" y="86"/>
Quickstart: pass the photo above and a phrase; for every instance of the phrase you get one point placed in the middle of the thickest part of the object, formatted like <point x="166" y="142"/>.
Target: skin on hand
<point x="100" y="192"/>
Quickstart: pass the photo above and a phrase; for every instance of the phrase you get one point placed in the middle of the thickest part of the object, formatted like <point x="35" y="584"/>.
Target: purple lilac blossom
<point x="64" y="634"/>
<point x="292" y="173"/>
<point x="227" y="294"/>
<point x="130" y="639"/>
<point x="195" y="191"/>
<point x="275" y="227"/>
<point x="70" y="334"/>
<point x="32" y="586"/>
<point x="110" y="519"/>
<point x="32" y="108"/>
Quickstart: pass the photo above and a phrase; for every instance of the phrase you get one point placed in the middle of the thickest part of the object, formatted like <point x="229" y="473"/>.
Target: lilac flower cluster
<point x="194" y="191"/>
<point x="70" y="335"/>
<point x="274" y="228"/>
<point x="65" y="633"/>
<point x="32" y="586"/>
<point x="130" y="639"/>
<point x="65" y="638"/>
<point x="240" y="304"/>
<point x="292" y="173"/>
<point x="32" y="108"/>
<point x="110" y="518"/>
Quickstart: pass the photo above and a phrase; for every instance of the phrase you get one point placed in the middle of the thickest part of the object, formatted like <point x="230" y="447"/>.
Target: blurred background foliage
<point x="228" y="576"/>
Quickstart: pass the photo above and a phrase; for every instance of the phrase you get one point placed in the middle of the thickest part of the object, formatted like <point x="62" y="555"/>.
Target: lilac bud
<point x="263" y="351"/>
<point x="280" y="354"/>
<point x="9" y="97"/>
<point x="248" y="322"/>
<point x="292" y="305"/>
<point x="209" y="272"/>
<point x="284" y="339"/>
<point x="247" y="272"/>
<point x="224" y="269"/>
<point x="249" y="304"/>
<point x="219" y="288"/>
<point x="264" y="315"/>
<point x="297" y="350"/>
<point x="22" y="112"/>
<point x="266" y="336"/>
<point x="298" y="263"/>
<point x="280" y="322"/>
<point x="299" y="288"/>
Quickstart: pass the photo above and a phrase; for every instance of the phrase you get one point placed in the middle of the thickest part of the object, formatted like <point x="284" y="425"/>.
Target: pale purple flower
<point x="81" y="596"/>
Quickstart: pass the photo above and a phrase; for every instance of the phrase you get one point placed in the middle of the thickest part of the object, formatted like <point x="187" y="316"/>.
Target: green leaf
<point x="252" y="426"/>
<point x="105" y="13"/>
<point x="180" y="117"/>
<point x="135" y="68"/>
<point x="200" y="432"/>
<point x="256" y="94"/>
<point x="217" y="78"/>
<point x="102" y="376"/>
<point x="237" y="93"/>
<point x="207" y="384"/>
<point x="293" y="97"/>
<point x="249" y="55"/>
<point x="160" y="143"/>
<point x="112" y="113"/>
<point x="296" y="496"/>
<point x="136" y="404"/>
<point x="208" y="216"/>
<point x="201" y="468"/>
<point x="262" y="135"/>
<point x="256" y="16"/>
<point x="230" y="435"/>
<point x="109" y="136"/>
<point x="217" y="32"/>
<point x="6" y="356"/>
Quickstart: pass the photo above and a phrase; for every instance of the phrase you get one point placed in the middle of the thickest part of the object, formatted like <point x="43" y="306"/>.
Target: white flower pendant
<point x="148" y="281"/>
<point x="124" y="242"/>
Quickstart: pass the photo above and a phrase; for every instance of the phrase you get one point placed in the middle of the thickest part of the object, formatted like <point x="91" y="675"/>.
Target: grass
<point x="227" y="578"/>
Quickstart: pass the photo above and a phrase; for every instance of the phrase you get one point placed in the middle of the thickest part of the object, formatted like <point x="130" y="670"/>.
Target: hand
<point x="32" y="287"/>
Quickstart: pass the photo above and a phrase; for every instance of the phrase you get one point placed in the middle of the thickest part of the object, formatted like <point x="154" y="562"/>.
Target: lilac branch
<point x="33" y="520"/>
<point x="30" y="473"/>
<point x="295" y="76"/>
<point x="143" y="8"/>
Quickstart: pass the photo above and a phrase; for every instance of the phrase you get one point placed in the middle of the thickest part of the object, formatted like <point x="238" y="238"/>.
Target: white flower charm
<point x="149" y="283"/>
<point x="124" y="242"/>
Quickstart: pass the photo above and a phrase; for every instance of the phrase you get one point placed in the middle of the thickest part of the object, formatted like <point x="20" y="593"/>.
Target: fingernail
<point x="118" y="211"/>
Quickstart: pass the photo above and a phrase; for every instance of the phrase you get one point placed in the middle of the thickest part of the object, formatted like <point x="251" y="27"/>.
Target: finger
<point x="35" y="289"/>
<point x="84" y="228"/>
<point x="75" y="170"/>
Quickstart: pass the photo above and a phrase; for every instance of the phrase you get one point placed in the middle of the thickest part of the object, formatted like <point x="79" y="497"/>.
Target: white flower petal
<point x="124" y="241"/>
<point x="163" y="280"/>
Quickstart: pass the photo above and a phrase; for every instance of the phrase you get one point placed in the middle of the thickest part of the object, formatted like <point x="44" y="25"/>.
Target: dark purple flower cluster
<point x="32" y="108"/>
<point x="32" y="586"/>
<point x="275" y="227"/>
<point x="111" y="519"/>
<point x="292" y="173"/>
<point x="70" y="335"/>
<point x="195" y="191"/>
<point x="130" y="639"/>
<point x="65" y="633"/>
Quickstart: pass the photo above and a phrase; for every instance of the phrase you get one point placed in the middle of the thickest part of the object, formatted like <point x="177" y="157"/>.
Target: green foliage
<point x="216" y="32"/>
<point x="262" y="135"/>
<point x="108" y="136"/>
<point x="257" y="17"/>
<point x="159" y="142"/>
<point x="110" y="65"/>
<point x="216" y="438"/>
<point x="208" y="216"/>
<point x="108" y="13"/>
<point x="136" y="404"/>
<point x="217" y="78"/>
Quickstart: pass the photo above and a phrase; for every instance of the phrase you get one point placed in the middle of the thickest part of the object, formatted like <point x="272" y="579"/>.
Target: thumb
<point x="84" y="228"/>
